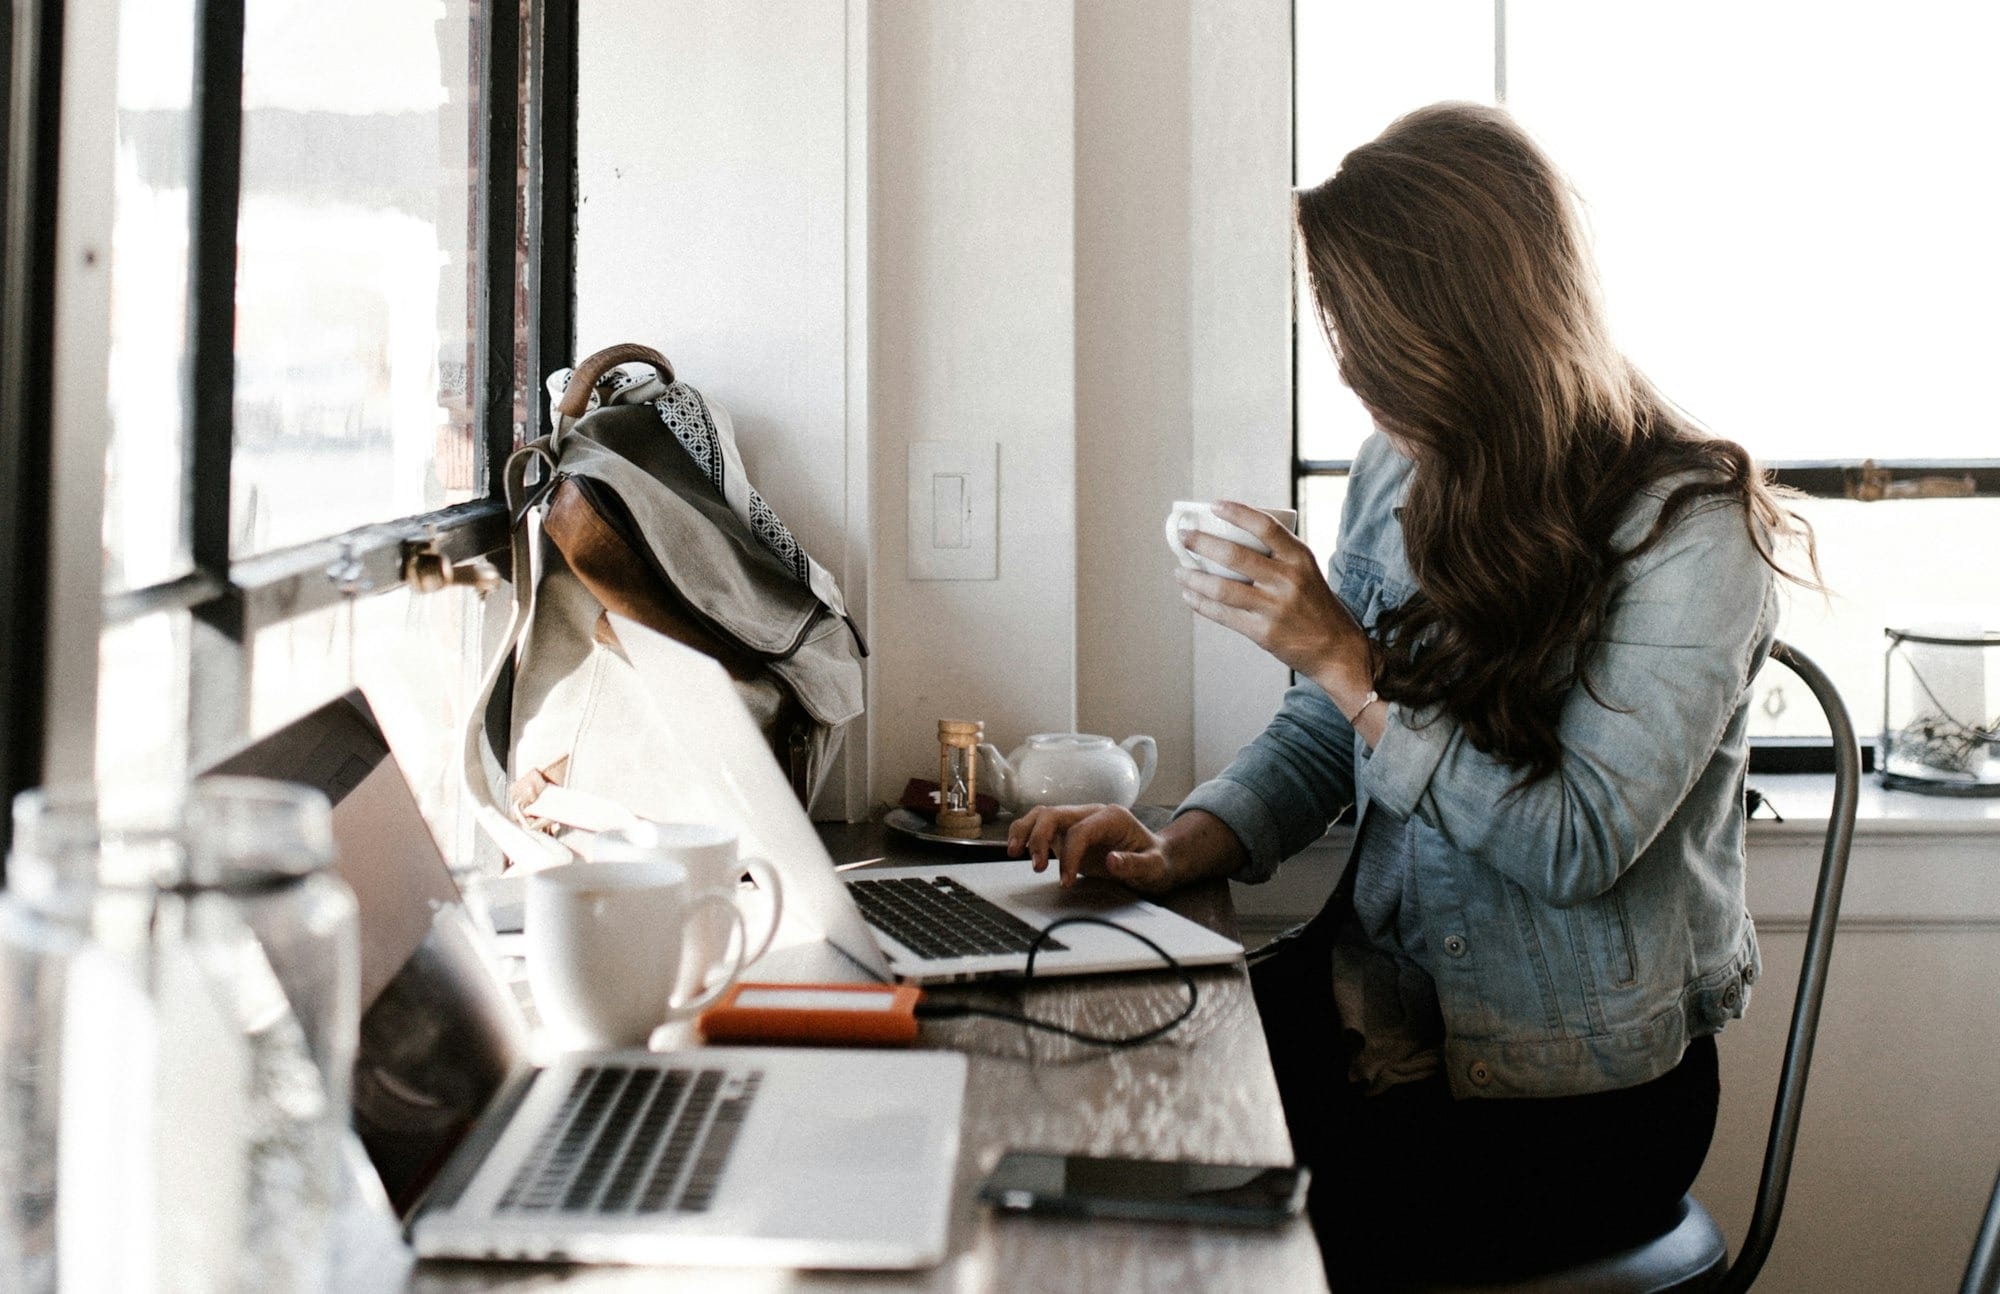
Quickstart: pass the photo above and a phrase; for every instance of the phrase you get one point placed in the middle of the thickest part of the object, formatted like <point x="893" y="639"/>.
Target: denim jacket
<point x="1583" y="930"/>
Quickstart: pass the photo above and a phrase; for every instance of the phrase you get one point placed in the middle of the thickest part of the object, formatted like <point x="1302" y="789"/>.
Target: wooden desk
<point x="1205" y="1091"/>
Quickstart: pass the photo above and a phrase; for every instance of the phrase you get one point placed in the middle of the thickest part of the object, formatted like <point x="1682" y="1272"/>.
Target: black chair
<point x="1692" y="1254"/>
<point x="1982" y="1273"/>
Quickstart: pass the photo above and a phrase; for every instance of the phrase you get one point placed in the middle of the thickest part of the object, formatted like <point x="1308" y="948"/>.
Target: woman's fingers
<point x="1269" y="530"/>
<point x="1227" y="552"/>
<point x="1044" y="838"/>
<point x="1091" y="839"/>
<point x="1229" y="603"/>
<point x="1039" y="831"/>
<point x="1084" y="838"/>
<point x="1216" y="588"/>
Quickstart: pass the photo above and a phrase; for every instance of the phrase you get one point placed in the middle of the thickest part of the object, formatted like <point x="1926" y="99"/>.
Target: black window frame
<point x="32" y="104"/>
<point x="230" y="601"/>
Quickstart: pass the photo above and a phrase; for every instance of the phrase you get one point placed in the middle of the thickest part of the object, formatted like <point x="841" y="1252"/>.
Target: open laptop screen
<point x="439" y="1032"/>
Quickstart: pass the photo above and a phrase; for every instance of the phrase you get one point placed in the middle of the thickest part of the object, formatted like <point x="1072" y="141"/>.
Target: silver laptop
<point x="726" y="1156"/>
<point x="915" y="924"/>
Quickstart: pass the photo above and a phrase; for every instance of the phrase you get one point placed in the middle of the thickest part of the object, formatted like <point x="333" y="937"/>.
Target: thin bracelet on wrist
<point x="1354" y="720"/>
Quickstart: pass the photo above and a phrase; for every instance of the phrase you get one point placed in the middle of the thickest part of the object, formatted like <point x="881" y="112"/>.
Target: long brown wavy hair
<point x="1451" y="279"/>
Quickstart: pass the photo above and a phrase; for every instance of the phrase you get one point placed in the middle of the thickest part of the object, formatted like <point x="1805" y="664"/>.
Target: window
<point x="339" y="243"/>
<point x="1790" y="210"/>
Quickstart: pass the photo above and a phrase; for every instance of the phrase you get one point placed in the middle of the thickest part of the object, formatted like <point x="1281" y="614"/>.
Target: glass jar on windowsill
<point x="1940" y="702"/>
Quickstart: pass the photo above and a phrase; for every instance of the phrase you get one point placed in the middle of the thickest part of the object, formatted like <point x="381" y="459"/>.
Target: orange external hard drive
<point x="834" y="1015"/>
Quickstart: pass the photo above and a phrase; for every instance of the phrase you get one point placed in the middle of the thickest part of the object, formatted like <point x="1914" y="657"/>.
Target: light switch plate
<point x="954" y="529"/>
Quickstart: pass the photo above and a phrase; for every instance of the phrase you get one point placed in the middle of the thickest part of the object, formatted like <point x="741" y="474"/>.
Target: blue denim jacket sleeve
<point x="1670" y="668"/>
<point x="1281" y="791"/>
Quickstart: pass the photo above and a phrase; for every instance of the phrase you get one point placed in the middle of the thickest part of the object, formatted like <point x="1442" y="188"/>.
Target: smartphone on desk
<point x="1161" y="1190"/>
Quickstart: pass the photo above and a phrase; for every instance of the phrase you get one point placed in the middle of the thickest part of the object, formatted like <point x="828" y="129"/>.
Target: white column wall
<point x="972" y="337"/>
<point x="1239" y="173"/>
<point x="1134" y="433"/>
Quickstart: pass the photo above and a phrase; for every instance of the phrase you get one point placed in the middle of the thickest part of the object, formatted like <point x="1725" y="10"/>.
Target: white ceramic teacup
<point x="604" y="949"/>
<point x="709" y="851"/>
<point x="1192" y="515"/>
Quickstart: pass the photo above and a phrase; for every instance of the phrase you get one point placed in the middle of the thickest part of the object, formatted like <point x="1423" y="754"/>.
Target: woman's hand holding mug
<point x="1279" y="600"/>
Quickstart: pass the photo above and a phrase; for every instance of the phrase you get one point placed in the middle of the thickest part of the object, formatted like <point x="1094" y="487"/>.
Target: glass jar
<point x="75" y="1001"/>
<point x="181" y="987"/>
<point x="279" y="930"/>
<point x="1941" y="711"/>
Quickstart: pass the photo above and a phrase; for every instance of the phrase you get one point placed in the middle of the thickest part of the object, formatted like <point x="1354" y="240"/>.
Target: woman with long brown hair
<point x="1528" y="668"/>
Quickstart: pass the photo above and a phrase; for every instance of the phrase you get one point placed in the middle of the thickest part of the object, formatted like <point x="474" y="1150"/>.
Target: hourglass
<point x="958" y="776"/>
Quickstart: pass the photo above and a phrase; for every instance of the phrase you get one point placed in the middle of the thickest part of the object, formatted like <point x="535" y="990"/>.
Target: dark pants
<point x="1414" y="1184"/>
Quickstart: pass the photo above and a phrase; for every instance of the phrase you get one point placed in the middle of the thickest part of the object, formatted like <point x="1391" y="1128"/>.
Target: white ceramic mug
<point x="604" y="949"/>
<point x="1191" y="515"/>
<point x="710" y="853"/>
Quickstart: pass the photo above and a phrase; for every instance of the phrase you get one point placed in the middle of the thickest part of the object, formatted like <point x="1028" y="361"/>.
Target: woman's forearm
<point x="1198" y="845"/>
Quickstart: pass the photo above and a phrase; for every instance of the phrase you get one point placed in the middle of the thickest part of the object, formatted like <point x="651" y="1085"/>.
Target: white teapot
<point x="1070" y="768"/>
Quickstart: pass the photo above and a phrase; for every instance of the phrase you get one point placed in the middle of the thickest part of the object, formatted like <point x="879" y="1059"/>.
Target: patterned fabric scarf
<point x="706" y="433"/>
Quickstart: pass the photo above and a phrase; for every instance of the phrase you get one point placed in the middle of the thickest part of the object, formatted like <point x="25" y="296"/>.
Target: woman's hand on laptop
<point x="1093" y="840"/>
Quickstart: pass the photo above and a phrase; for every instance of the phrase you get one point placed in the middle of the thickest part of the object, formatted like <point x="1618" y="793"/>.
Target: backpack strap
<point x="480" y="766"/>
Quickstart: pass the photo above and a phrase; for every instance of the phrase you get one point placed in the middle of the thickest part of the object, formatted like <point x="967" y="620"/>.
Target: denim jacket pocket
<point x="1366" y="590"/>
<point x="1611" y="930"/>
<point x="1720" y="997"/>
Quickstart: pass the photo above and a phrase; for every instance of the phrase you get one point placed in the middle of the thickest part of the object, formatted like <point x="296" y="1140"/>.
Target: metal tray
<point x="992" y="836"/>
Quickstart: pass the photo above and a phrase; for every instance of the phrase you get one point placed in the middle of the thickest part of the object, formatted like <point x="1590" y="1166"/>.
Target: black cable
<point x="928" y="1010"/>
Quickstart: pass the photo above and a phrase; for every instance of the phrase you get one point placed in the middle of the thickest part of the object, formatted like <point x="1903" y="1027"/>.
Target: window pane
<point x="1356" y="69"/>
<point x="1896" y="564"/>
<point x="142" y="700"/>
<point x="1320" y="498"/>
<point x="1753" y="175"/>
<point x="358" y="269"/>
<point x="145" y="512"/>
<point x="418" y="658"/>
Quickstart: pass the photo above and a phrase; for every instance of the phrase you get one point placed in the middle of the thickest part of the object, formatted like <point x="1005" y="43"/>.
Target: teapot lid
<point x="1079" y="740"/>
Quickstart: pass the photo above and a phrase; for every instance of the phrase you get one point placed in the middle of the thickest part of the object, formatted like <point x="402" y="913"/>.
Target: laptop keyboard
<point x="938" y="917"/>
<point x="635" y="1140"/>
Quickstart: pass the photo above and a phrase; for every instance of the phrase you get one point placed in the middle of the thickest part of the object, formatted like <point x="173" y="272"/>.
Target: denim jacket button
<point x="1479" y="1073"/>
<point x="1731" y="996"/>
<point x="1455" y="945"/>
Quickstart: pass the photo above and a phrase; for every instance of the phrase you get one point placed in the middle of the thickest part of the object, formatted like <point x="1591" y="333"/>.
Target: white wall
<point x="1899" y="1143"/>
<point x="1183" y="359"/>
<point x="972" y="337"/>
<point x="712" y="224"/>
<point x="1057" y="226"/>
<point x="1239" y="171"/>
<point x="1133" y="329"/>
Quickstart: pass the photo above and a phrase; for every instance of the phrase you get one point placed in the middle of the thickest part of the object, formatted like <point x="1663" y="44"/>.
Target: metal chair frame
<point x="1780" y="1149"/>
<point x="1982" y="1273"/>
